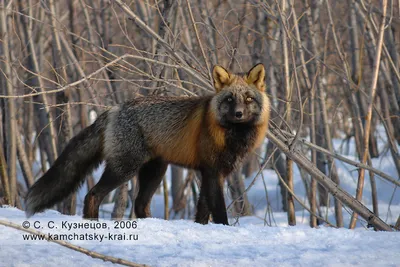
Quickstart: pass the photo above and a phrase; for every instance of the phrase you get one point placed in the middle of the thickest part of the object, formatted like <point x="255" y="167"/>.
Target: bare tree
<point x="332" y="75"/>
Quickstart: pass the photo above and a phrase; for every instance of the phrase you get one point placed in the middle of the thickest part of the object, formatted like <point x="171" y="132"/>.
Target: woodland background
<point x="332" y="72"/>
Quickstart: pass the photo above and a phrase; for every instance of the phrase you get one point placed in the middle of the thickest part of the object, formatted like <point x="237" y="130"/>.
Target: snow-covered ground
<point x="263" y="239"/>
<point x="184" y="243"/>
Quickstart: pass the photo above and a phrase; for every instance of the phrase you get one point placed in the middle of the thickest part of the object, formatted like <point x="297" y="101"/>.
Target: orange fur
<point x="215" y="130"/>
<point x="182" y="146"/>
<point x="263" y="125"/>
<point x="262" y="130"/>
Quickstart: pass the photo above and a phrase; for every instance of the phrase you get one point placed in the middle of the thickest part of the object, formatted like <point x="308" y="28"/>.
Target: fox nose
<point x="239" y="114"/>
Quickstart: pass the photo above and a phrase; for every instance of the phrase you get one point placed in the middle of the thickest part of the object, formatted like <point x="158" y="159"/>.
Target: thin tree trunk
<point x="132" y="195"/>
<point x="279" y="165"/>
<point x="389" y="128"/>
<point x="63" y="121"/>
<point x="120" y="202"/>
<point x="312" y="110"/>
<point x="313" y="186"/>
<point x="371" y="97"/>
<point x="288" y="96"/>
<point x="396" y="85"/>
<point x="176" y="185"/>
<point x="10" y="138"/>
<point x="24" y="163"/>
<point x="4" y="178"/>
<point x="236" y="188"/>
<point x="251" y="164"/>
<point x="44" y="120"/>
<point x="166" y="200"/>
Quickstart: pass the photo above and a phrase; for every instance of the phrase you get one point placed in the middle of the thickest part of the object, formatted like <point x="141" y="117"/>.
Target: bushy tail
<point x="81" y="156"/>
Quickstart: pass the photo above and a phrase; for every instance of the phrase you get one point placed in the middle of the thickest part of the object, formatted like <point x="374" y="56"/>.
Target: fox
<point x="210" y="134"/>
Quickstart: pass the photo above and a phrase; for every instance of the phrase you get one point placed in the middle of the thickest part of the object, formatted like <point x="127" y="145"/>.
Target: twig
<point x="167" y="47"/>
<point x="198" y="40"/>
<point x="90" y="253"/>
<point x="254" y="180"/>
<point x="281" y="142"/>
<point x="301" y="202"/>
<point x="348" y="161"/>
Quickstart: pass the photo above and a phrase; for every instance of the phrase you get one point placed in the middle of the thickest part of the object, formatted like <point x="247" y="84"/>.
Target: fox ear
<point x="256" y="76"/>
<point x="221" y="77"/>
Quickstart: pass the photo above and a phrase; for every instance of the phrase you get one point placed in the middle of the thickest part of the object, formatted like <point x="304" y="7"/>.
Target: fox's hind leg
<point x="110" y="180"/>
<point x="124" y="152"/>
<point x="121" y="165"/>
<point x="150" y="176"/>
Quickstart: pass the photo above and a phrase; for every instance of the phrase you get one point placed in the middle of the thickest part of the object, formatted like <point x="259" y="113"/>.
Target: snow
<point x="264" y="239"/>
<point x="184" y="243"/>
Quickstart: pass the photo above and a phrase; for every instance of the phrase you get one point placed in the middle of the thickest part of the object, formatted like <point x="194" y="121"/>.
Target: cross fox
<point x="211" y="134"/>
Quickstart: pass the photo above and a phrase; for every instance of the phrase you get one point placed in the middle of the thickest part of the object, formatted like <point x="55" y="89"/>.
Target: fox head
<point x="240" y="99"/>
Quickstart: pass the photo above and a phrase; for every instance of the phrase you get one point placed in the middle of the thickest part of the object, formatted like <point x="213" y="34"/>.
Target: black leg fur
<point x="150" y="177"/>
<point x="109" y="181"/>
<point x="203" y="212"/>
<point x="211" y="198"/>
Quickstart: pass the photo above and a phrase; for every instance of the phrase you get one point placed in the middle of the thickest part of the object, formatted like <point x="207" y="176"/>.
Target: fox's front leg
<point x="203" y="212"/>
<point x="211" y="198"/>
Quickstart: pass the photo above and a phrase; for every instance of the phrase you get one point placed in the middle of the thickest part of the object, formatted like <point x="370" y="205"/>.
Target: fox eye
<point x="249" y="99"/>
<point x="229" y="99"/>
